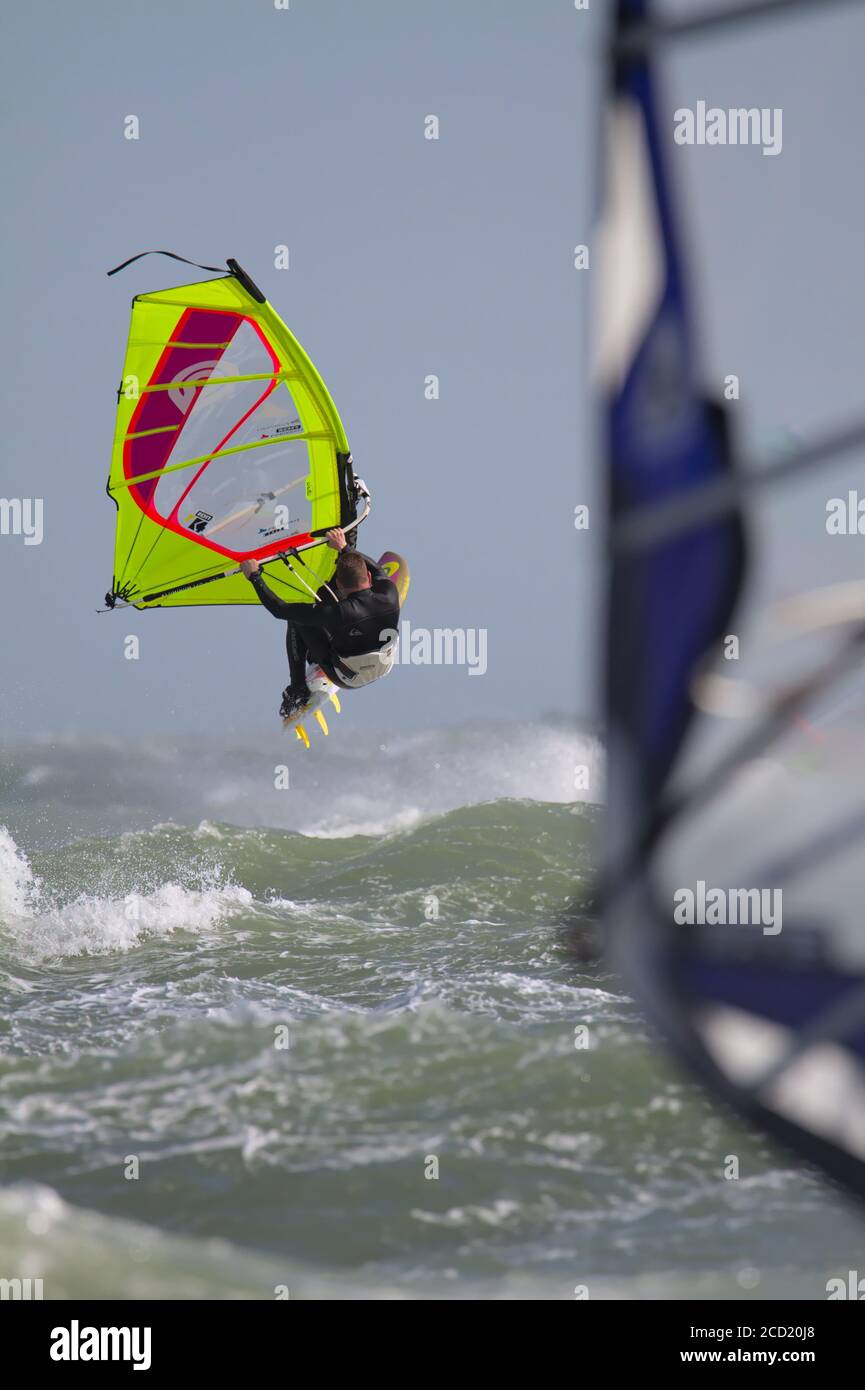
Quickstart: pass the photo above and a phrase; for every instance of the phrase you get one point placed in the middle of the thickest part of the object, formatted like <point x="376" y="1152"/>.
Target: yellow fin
<point x="334" y="700"/>
<point x="321" y="721"/>
<point x="302" y="734"/>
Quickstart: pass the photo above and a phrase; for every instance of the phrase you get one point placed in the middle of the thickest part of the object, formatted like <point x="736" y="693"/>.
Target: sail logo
<point x="852" y="1287"/>
<point x="22" y="516"/>
<point x="183" y="395"/>
<point x="76" y="1343"/>
<point x="274" y="431"/>
<point x="734" y="907"/>
<point x="199" y="522"/>
<point x="712" y="125"/>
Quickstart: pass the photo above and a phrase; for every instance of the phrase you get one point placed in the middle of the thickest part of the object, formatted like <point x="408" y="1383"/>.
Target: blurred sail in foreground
<point x="736" y="839"/>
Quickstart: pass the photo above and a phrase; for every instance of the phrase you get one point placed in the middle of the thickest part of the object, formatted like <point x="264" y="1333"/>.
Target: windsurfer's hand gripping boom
<point x="335" y="538"/>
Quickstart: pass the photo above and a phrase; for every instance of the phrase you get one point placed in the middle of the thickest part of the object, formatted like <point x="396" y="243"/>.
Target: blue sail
<point x="774" y="1024"/>
<point x="669" y="601"/>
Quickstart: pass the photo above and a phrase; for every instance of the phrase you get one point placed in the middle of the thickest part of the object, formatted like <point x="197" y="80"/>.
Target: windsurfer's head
<point x="351" y="572"/>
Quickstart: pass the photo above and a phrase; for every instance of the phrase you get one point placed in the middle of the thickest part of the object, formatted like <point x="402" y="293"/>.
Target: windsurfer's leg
<point x="296" y="650"/>
<point x="319" y="652"/>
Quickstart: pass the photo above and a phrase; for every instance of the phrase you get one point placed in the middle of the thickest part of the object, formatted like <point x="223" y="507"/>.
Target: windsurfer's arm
<point x="307" y="613"/>
<point x="268" y="598"/>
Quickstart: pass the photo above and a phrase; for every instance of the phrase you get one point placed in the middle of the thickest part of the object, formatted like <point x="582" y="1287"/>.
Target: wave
<point x="82" y="1254"/>
<point x="495" y="863"/>
<point x="19" y="887"/>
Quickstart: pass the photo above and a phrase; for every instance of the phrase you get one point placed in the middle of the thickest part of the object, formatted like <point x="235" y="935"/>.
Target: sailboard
<point x="771" y="1020"/>
<point x="227" y="447"/>
<point x="322" y="690"/>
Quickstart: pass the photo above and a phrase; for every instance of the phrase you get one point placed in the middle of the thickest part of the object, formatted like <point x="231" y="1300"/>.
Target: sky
<point x="305" y="126"/>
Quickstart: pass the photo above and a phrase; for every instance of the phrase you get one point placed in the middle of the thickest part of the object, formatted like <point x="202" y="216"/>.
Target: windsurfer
<point x="348" y="632"/>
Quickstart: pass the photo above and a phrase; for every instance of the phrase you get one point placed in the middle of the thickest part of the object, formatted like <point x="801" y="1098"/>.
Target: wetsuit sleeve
<point x="309" y="614"/>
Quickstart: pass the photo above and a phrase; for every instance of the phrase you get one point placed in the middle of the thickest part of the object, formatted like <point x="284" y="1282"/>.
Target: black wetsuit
<point x="322" y="632"/>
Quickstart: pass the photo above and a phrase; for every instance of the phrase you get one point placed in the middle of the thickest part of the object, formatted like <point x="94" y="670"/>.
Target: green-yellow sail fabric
<point x="227" y="447"/>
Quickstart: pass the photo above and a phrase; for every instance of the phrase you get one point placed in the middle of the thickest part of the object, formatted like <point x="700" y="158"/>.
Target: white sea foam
<point x="95" y="925"/>
<point x="19" y="886"/>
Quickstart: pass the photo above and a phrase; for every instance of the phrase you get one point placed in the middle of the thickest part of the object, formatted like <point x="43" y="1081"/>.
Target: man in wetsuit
<point x="347" y="636"/>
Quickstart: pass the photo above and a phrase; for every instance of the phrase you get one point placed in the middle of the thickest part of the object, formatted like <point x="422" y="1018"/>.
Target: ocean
<point x="318" y="1040"/>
